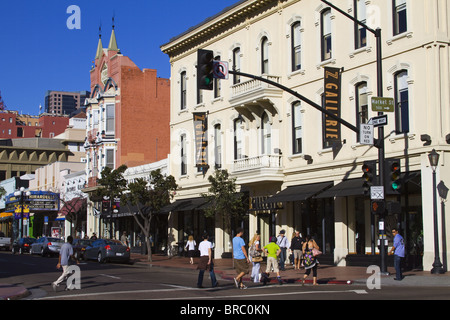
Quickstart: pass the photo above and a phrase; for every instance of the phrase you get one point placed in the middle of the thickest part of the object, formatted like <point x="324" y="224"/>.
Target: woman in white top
<point x="255" y="250"/>
<point x="190" y="247"/>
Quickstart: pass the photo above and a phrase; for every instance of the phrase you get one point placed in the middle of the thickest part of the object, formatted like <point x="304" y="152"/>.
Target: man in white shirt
<point x="65" y="253"/>
<point x="283" y="243"/>
<point x="206" y="262"/>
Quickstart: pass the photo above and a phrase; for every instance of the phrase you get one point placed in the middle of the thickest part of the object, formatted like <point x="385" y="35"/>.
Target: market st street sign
<point x="382" y="104"/>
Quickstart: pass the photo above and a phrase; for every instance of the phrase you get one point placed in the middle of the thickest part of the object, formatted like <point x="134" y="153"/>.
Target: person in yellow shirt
<point x="273" y="250"/>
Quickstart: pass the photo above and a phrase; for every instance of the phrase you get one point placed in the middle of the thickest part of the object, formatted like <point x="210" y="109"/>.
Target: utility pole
<point x="380" y="140"/>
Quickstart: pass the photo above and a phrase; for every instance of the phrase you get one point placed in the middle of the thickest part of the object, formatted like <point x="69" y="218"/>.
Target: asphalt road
<point x="175" y="288"/>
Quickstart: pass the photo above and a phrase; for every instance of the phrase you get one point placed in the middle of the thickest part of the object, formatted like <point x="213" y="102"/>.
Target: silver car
<point x="46" y="246"/>
<point x="104" y="250"/>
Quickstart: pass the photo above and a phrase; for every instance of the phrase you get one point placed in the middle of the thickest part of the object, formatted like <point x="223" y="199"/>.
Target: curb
<point x="15" y="293"/>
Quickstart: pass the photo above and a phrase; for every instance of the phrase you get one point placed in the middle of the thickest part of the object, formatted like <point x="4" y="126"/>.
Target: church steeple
<point x="99" y="53"/>
<point x="113" y="42"/>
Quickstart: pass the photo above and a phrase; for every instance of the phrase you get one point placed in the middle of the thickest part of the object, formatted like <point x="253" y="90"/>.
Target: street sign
<point x="376" y="192"/>
<point x="220" y="69"/>
<point x="366" y="134"/>
<point x="378" y="121"/>
<point x="383" y="104"/>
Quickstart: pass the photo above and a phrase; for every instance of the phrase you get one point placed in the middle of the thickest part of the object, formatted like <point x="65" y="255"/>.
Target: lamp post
<point x="433" y="157"/>
<point x="21" y="193"/>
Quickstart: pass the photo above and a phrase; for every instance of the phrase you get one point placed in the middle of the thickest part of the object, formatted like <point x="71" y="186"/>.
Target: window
<point x="297" y="132"/>
<point x="326" y="34"/>
<point x="362" y="108"/>
<point x="236" y="64"/>
<point x="183" y="155"/>
<point x="183" y="90"/>
<point x="264" y="55"/>
<point x="401" y="102"/>
<point x="400" y="21"/>
<point x="238" y="139"/>
<point x="217" y="146"/>
<point x="110" y="119"/>
<point x="104" y="75"/>
<point x="296" y="47"/>
<point x="110" y="158"/>
<point x="266" y="129"/>
<point x="360" y="32"/>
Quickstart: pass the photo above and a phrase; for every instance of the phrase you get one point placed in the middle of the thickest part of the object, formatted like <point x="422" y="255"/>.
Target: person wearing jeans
<point x="399" y="253"/>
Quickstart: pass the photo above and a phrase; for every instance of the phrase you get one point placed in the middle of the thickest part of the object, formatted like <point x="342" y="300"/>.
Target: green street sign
<point x="383" y="104"/>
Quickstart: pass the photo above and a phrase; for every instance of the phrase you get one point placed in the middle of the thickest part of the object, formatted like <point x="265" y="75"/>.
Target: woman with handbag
<point x="310" y="253"/>
<point x="255" y="256"/>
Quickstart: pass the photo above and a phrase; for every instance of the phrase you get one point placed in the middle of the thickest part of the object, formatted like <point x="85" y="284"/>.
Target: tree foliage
<point x="224" y="199"/>
<point x="147" y="198"/>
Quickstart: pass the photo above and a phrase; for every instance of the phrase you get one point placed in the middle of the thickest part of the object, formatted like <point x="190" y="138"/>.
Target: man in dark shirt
<point x="296" y="249"/>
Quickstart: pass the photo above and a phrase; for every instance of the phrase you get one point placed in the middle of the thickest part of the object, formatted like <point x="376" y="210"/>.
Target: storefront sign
<point x="332" y="103"/>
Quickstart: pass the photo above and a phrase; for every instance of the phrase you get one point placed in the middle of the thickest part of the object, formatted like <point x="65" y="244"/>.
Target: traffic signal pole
<point x="380" y="140"/>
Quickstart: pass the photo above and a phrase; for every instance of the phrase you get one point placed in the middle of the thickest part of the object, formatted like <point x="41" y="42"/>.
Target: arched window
<point x="238" y="139"/>
<point x="360" y="32"/>
<point x="297" y="131"/>
<point x="264" y="55"/>
<point x="266" y="129"/>
<point x="401" y="102"/>
<point x="236" y="64"/>
<point x="362" y="106"/>
<point x="183" y="155"/>
<point x="325" y="32"/>
<point x="217" y="146"/>
<point x="296" y="49"/>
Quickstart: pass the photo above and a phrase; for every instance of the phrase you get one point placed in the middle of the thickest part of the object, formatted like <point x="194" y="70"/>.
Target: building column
<point x="341" y="231"/>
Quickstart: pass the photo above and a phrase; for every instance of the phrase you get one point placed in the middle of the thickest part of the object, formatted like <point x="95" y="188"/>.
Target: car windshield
<point x="114" y="242"/>
<point x="28" y="240"/>
<point x="84" y="242"/>
<point x="54" y="240"/>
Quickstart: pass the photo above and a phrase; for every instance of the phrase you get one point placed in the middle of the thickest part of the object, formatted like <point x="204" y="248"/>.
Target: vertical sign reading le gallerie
<point x="201" y="139"/>
<point x="332" y="104"/>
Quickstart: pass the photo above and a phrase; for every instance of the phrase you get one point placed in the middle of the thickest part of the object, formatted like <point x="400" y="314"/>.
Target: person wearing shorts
<point x="241" y="260"/>
<point x="273" y="250"/>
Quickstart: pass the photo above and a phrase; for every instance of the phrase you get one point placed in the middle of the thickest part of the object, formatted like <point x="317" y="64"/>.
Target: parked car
<point x="5" y="242"/>
<point x="23" y="245"/>
<point x="79" y="247"/>
<point x="47" y="246"/>
<point x="104" y="250"/>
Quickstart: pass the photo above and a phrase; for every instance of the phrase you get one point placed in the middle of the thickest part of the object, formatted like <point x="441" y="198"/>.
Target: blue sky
<point x="38" y="52"/>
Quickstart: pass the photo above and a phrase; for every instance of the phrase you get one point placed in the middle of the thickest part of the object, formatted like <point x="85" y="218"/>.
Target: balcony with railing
<point x="248" y="91"/>
<point x="272" y="161"/>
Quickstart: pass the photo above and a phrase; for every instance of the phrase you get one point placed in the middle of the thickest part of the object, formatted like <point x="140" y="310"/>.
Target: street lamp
<point x="21" y="193"/>
<point x="433" y="157"/>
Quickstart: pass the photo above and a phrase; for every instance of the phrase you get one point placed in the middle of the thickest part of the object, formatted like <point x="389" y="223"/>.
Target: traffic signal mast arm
<point x="296" y="94"/>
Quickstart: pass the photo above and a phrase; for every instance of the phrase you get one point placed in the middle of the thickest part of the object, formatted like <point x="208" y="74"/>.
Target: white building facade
<point x="276" y="145"/>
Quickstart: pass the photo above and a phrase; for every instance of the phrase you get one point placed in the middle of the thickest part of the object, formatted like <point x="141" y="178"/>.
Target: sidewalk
<point x="327" y="274"/>
<point x="224" y="270"/>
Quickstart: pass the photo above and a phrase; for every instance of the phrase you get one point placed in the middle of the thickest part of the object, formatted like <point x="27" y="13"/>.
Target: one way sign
<point x="378" y="121"/>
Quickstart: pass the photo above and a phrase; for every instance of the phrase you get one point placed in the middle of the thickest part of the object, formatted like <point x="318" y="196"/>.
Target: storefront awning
<point x="71" y="206"/>
<point x="299" y="193"/>
<point x="185" y="205"/>
<point x="350" y="187"/>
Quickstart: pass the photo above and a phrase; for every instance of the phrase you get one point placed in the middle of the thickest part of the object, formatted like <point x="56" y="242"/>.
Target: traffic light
<point x="369" y="173"/>
<point x="393" y="180"/>
<point x="205" y="69"/>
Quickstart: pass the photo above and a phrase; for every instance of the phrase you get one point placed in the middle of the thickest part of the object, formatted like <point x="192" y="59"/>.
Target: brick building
<point x="127" y="115"/>
<point x="14" y="125"/>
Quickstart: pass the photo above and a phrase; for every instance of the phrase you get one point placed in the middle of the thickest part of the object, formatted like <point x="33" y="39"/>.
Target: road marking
<point x="109" y="276"/>
<point x="259" y="295"/>
<point x="176" y="288"/>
